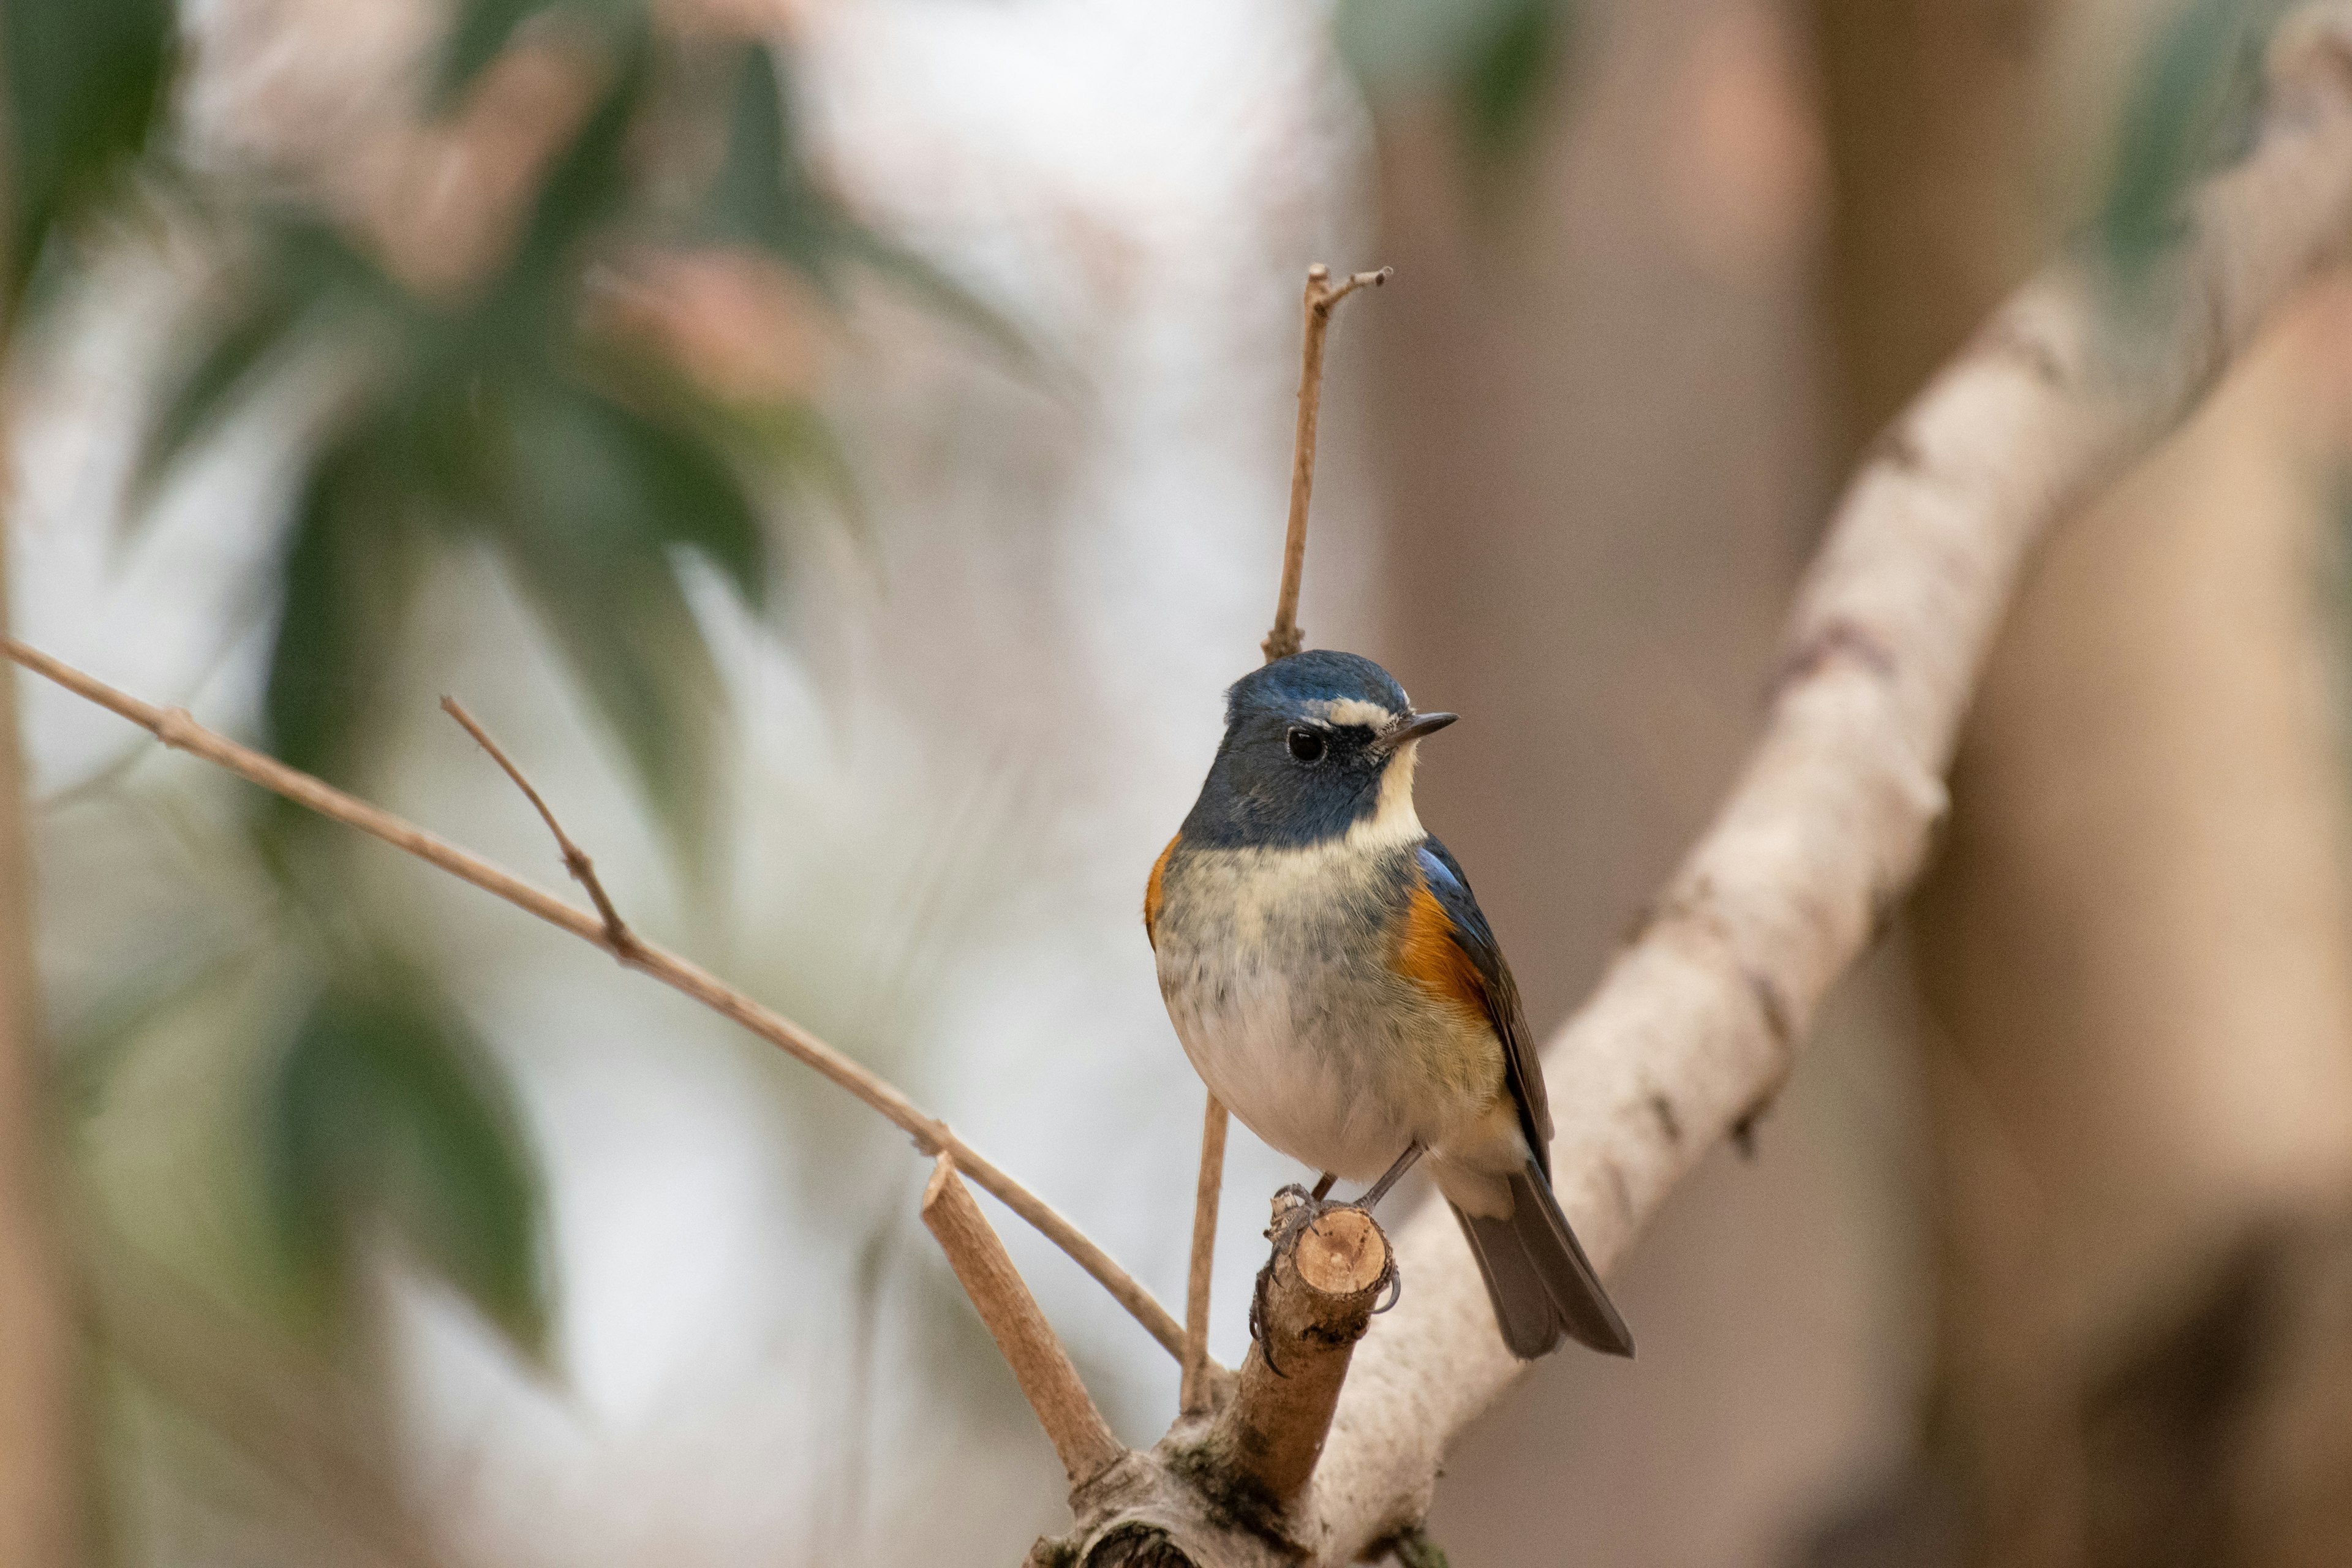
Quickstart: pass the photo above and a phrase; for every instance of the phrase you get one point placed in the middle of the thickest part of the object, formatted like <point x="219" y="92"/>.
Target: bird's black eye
<point x="1305" y="744"/>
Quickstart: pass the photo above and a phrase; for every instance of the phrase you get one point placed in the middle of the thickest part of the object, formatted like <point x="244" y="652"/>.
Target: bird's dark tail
<point x="1541" y="1283"/>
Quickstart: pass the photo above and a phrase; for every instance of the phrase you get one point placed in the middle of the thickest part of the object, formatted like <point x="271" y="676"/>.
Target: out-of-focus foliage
<point x="382" y="1111"/>
<point x="530" y="409"/>
<point x="501" y="414"/>
<point x="1496" y="60"/>
<point x="483" y="29"/>
<point x="2191" y="107"/>
<point x="85" y="84"/>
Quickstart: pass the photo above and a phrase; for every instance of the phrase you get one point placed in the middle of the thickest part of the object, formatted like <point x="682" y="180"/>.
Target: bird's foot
<point x="1295" y="1209"/>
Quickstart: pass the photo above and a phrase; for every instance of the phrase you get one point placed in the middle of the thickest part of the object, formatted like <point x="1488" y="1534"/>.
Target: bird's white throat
<point x="1394" y="821"/>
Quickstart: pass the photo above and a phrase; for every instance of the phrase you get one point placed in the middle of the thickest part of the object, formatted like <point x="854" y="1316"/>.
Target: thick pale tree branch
<point x="1695" y="1026"/>
<point x="176" y="728"/>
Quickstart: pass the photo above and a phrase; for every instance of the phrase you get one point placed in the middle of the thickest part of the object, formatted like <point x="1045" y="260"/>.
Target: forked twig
<point x="1322" y="294"/>
<point x="176" y="728"/>
<point x="575" y="859"/>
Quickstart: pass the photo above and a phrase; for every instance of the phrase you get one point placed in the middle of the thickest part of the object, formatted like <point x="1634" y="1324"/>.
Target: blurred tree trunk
<point x="2133" y="950"/>
<point x="39" y="1459"/>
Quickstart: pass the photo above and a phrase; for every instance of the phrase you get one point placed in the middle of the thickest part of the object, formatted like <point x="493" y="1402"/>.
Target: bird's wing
<point x="1485" y="980"/>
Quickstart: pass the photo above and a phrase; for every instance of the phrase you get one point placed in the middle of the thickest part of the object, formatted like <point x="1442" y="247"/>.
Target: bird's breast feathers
<point x="1321" y="995"/>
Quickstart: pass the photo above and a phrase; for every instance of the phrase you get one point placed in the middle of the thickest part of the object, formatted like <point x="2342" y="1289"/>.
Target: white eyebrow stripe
<point x="1356" y="710"/>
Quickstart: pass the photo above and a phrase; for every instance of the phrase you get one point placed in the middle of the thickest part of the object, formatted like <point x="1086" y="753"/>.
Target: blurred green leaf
<point x="2192" y="108"/>
<point x="484" y="28"/>
<point x="86" y="82"/>
<point x="224" y="372"/>
<point x="603" y="497"/>
<point x="302" y="279"/>
<point x="766" y="196"/>
<point x="1493" y="59"/>
<point x="1414" y="1549"/>
<point x="345" y="580"/>
<point x="634" y="646"/>
<point x="1500" y="85"/>
<point x="386" y="1107"/>
<point x="587" y="189"/>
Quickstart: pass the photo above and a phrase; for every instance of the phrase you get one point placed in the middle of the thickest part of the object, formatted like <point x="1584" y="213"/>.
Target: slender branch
<point x="575" y="859"/>
<point x="1197" y="1392"/>
<point x="1321" y="295"/>
<point x="1281" y="642"/>
<point x="176" y="728"/>
<point x="1080" y="1435"/>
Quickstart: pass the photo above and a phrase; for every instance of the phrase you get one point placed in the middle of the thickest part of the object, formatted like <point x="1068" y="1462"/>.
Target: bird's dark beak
<point x="1412" y="727"/>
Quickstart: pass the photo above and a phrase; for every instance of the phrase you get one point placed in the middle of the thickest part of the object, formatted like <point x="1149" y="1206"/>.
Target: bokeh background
<point x="840" y="447"/>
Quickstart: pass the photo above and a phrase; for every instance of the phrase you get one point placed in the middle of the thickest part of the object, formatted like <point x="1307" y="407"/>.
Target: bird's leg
<point x="1395" y="1174"/>
<point x="1323" y="1187"/>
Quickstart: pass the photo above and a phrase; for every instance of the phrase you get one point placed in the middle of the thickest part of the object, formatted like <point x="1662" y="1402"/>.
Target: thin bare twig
<point x="1322" y="294"/>
<point x="1081" y="1436"/>
<point x="1197" y="1390"/>
<point x="176" y="728"/>
<point x="575" y="859"/>
<point x="1281" y="642"/>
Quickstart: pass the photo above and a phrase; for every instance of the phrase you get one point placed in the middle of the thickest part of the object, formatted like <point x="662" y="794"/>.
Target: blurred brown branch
<point x="175" y="728"/>
<point x="1696" y="1024"/>
<point x="293" y="1417"/>
<point x="41" y="1448"/>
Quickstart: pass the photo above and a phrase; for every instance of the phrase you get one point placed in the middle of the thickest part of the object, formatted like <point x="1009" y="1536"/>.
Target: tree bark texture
<point x="1692" y="1029"/>
<point x="2134" y="948"/>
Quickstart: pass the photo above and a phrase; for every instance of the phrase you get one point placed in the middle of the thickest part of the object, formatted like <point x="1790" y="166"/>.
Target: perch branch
<point x="1318" y="1291"/>
<point x="1696" y="1024"/>
<point x="1197" y="1390"/>
<point x="1080" y="1435"/>
<point x="1237" y="1478"/>
<point x="176" y="728"/>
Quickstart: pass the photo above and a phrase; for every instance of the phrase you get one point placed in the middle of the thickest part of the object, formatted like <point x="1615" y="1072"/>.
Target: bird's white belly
<point x="1304" y="1096"/>
<point x="1281" y="990"/>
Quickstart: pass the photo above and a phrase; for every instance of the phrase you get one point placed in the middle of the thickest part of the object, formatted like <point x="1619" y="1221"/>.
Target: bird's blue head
<point x="1316" y="745"/>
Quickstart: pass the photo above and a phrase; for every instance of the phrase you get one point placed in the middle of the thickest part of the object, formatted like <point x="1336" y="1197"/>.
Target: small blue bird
<point x="1335" y="986"/>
